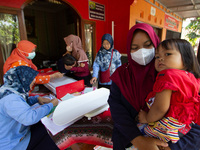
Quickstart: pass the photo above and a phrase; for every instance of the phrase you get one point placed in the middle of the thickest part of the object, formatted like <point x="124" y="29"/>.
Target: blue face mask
<point x="31" y="55"/>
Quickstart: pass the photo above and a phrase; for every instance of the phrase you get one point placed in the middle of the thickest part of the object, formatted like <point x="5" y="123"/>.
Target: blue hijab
<point x="109" y="38"/>
<point x="17" y="80"/>
<point x="104" y="56"/>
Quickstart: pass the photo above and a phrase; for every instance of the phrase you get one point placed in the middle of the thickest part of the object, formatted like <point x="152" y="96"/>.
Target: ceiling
<point x="183" y="8"/>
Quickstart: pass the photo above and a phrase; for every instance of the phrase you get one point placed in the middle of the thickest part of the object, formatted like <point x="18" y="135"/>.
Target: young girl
<point x="74" y="47"/>
<point x="106" y="62"/>
<point x="174" y="101"/>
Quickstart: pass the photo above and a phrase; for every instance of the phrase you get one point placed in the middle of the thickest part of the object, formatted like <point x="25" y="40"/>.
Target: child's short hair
<point x="186" y="50"/>
<point x="68" y="60"/>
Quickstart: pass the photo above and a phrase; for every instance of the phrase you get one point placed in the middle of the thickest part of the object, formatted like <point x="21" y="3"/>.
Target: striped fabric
<point x="165" y="129"/>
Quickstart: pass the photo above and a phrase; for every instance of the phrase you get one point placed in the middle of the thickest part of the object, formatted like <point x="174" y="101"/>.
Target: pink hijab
<point x="77" y="50"/>
<point x="136" y="81"/>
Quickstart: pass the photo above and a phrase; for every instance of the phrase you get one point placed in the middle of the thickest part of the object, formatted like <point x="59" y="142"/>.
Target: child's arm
<point x="81" y="68"/>
<point x="67" y="52"/>
<point x="158" y="109"/>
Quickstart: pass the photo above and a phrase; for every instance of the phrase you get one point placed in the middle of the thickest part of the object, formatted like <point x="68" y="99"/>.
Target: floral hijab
<point x="77" y="50"/>
<point x="17" y="80"/>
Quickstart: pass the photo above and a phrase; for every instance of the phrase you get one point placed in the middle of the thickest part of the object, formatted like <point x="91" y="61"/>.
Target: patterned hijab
<point x="136" y="81"/>
<point x="17" y="54"/>
<point x="109" y="38"/>
<point x="77" y="50"/>
<point x="17" y="80"/>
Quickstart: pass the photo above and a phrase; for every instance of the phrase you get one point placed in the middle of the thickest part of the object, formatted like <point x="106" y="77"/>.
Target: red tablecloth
<point x="97" y="131"/>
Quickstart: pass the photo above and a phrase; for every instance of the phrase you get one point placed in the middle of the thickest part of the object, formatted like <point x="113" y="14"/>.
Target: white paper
<point x="52" y="127"/>
<point x="67" y="96"/>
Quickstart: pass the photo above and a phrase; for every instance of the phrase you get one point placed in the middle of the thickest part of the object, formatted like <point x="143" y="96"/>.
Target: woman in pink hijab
<point x="131" y="84"/>
<point x="81" y="69"/>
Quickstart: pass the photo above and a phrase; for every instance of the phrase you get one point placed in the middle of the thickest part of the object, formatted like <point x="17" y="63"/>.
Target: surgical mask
<point x="69" y="47"/>
<point x="143" y="56"/>
<point x="31" y="55"/>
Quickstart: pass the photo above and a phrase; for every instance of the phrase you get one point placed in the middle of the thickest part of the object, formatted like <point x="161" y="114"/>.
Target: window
<point x="9" y="33"/>
<point x="12" y="30"/>
<point x="89" y="41"/>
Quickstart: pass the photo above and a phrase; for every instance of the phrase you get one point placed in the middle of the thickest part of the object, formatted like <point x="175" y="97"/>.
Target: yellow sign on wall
<point x="96" y="11"/>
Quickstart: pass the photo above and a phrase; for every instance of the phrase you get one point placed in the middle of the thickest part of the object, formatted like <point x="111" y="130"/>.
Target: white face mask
<point x="143" y="56"/>
<point x="31" y="55"/>
<point x="69" y="47"/>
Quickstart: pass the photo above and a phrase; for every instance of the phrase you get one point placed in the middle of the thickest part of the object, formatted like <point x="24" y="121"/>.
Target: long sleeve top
<point x="102" y="61"/>
<point x="81" y="71"/>
<point x="16" y="116"/>
<point x="39" y="79"/>
<point x="125" y="125"/>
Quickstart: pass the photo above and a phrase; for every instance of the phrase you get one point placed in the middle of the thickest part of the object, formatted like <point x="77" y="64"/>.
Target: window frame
<point x="93" y="23"/>
<point x="22" y="30"/>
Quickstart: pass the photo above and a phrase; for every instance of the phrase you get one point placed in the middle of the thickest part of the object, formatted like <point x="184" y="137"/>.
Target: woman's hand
<point x="142" y="116"/>
<point x="42" y="100"/>
<point x="144" y="143"/>
<point x="93" y="80"/>
<point x="164" y="148"/>
<point x="32" y="84"/>
<point x="82" y="65"/>
<point x="67" y="52"/>
<point x="54" y="101"/>
<point x="56" y="75"/>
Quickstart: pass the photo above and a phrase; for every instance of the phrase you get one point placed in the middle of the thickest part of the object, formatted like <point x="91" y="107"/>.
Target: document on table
<point x="48" y="120"/>
<point x="52" y="127"/>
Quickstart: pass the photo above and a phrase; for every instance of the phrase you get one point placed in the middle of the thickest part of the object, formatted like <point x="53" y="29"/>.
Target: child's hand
<point x="142" y="116"/>
<point x="82" y="65"/>
<point x="93" y="80"/>
<point x="68" y="67"/>
<point x="42" y="100"/>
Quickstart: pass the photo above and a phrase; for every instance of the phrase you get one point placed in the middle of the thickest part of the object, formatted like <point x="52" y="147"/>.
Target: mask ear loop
<point x="71" y="44"/>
